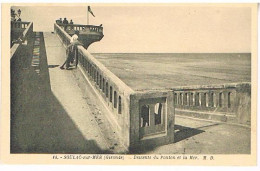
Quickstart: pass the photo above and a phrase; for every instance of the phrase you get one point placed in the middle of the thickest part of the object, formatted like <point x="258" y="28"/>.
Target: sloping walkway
<point x="81" y="105"/>
<point x="51" y="114"/>
<point x="64" y="88"/>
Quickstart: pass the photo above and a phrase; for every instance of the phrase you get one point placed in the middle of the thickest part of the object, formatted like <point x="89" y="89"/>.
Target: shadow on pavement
<point x="181" y="133"/>
<point x="185" y="132"/>
<point x="53" y="66"/>
<point x="39" y="123"/>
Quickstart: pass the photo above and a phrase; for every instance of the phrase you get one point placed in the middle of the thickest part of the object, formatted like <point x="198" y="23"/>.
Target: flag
<point x="89" y="10"/>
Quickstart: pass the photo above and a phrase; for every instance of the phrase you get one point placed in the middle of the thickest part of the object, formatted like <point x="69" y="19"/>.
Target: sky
<point x="155" y="28"/>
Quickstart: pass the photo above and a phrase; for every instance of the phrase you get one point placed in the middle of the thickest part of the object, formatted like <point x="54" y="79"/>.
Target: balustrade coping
<point x="197" y="87"/>
<point x="211" y="86"/>
<point x="147" y="91"/>
<point x="79" y="25"/>
<point x="14" y="49"/>
<point x="25" y="22"/>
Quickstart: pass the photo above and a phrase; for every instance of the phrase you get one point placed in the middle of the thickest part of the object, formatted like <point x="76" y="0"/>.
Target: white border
<point x="128" y="168"/>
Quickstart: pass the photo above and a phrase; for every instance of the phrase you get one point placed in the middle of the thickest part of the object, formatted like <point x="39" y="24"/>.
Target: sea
<point x="166" y="70"/>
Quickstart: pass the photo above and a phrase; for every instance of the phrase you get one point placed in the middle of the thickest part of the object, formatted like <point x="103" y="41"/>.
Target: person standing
<point x="70" y="52"/>
<point x="74" y="38"/>
<point x="71" y="22"/>
<point x="59" y="21"/>
<point x="65" y="22"/>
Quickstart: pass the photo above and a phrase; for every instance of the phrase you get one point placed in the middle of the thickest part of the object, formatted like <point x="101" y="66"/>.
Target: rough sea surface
<point x="166" y="70"/>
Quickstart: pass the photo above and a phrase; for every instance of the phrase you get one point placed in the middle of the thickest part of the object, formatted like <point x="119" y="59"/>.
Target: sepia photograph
<point x="132" y="81"/>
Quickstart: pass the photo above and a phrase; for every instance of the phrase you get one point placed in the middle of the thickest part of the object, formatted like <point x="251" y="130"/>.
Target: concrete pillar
<point x="115" y="99"/>
<point x="211" y="99"/>
<point x="229" y="99"/>
<point x="97" y="77"/>
<point x="191" y="99"/>
<point x="243" y="103"/>
<point x="91" y="71"/>
<point x="111" y="94"/>
<point x="134" y="122"/>
<point x="197" y="99"/>
<point x="100" y="81"/>
<point x="215" y="101"/>
<point x="225" y="101"/>
<point x="207" y="99"/>
<point x="220" y="99"/>
<point x="185" y="98"/>
<point x="181" y="99"/>
<point x="119" y="105"/>
<point x="103" y="85"/>
<point x="175" y="98"/>
<point x="203" y="99"/>
<point x="106" y="89"/>
<point x="152" y="117"/>
<point x="137" y="133"/>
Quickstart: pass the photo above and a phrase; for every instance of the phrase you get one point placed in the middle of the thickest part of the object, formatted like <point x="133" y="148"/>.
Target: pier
<point x="91" y="110"/>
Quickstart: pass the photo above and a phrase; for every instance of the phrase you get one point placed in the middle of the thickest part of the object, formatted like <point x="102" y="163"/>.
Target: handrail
<point x="26" y="31"/>
<point x="108" y="73"/>
<point x="19" y="24"/>
<point x="209" y="87"/>
<point x="63" y="32"/>
<point x="79" y="25"/>
<point x="24" y="22"/>
<point x="22" y="37"/>
<point x="218" y="98"/>
<point x="98" y="29"/>
<point x="14" y="49"/>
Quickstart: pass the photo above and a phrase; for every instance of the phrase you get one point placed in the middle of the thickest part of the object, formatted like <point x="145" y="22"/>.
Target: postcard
<point x="129" y="83"/>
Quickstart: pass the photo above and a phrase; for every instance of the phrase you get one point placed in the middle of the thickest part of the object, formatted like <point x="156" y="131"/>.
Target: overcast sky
<point x="156" y="29"/>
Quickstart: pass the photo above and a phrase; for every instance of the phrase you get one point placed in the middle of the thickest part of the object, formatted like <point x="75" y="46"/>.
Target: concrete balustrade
<point x="203" y="100"/>
<point x="21" y="41"/>
<point x="18" y="30"/>
<point x="125" y="104"/>
<point x="80" y="27"/>
<point x="19" y="24"/>
<point x="121" y="100"/>
<point x="115" y="93"/>
<point x="224" y="99"/>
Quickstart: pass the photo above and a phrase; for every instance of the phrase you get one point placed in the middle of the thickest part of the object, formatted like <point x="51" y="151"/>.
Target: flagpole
<point x="87" y="17"/>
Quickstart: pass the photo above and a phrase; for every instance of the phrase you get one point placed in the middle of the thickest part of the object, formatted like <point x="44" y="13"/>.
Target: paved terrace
<point x="58" y="111"/>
